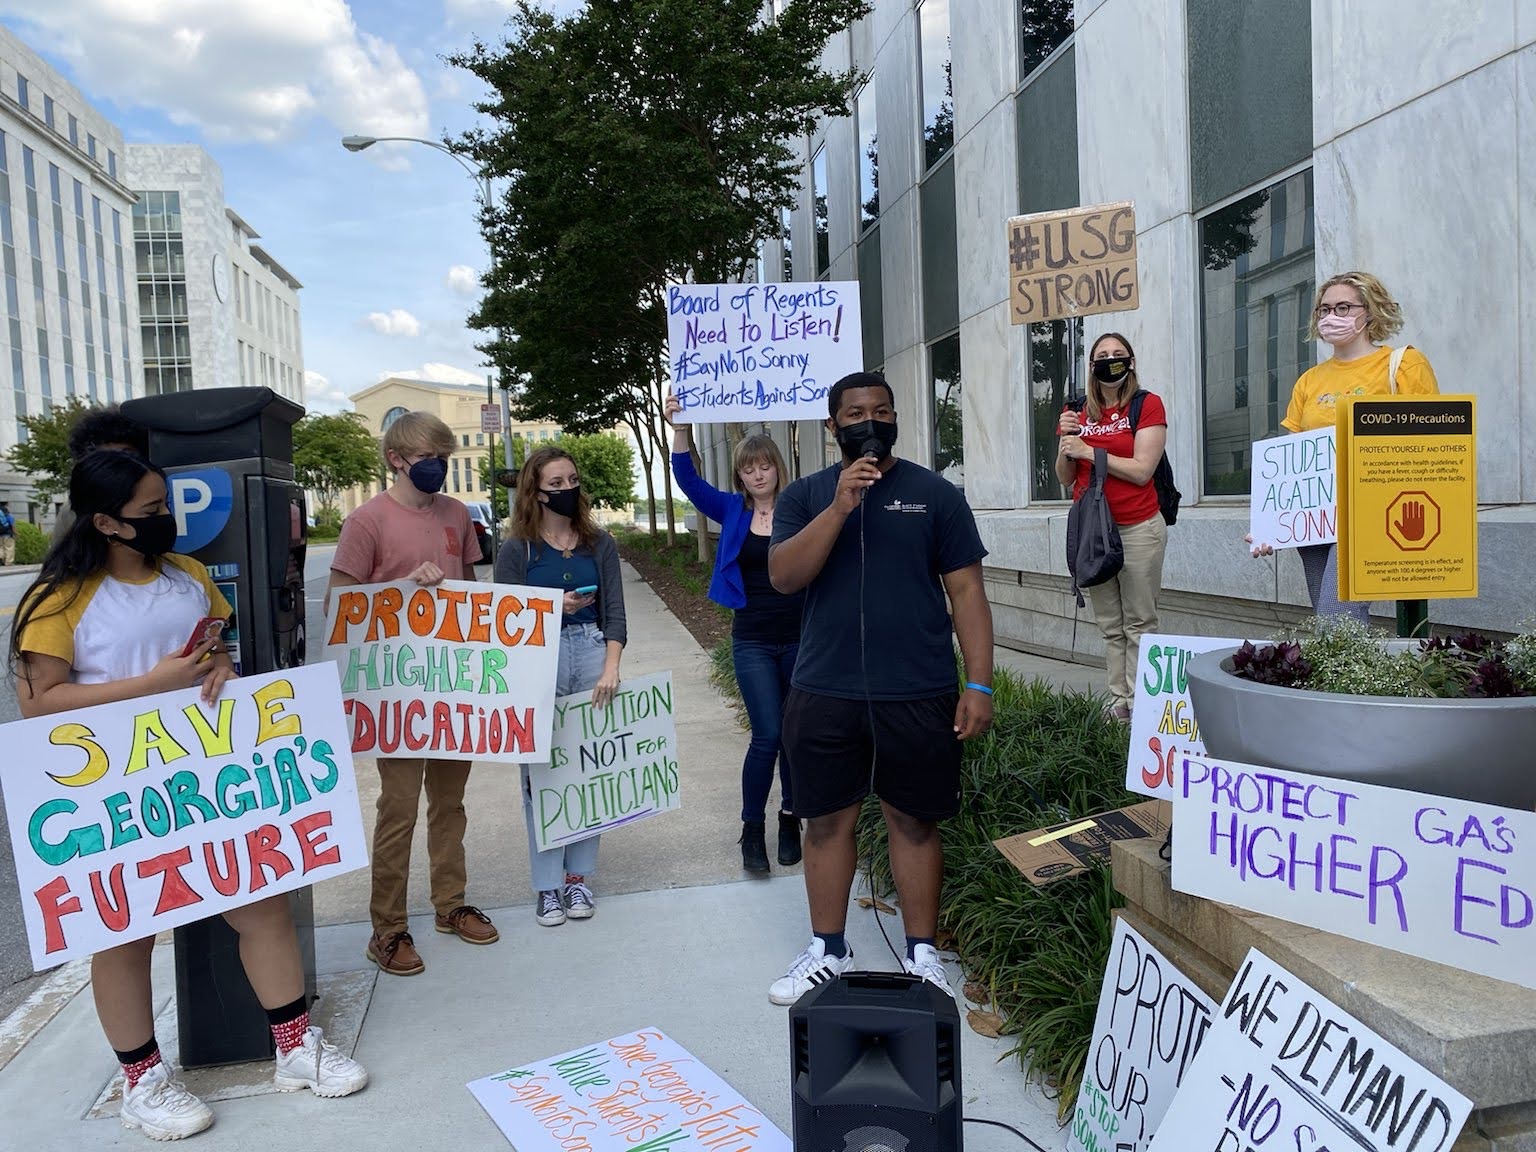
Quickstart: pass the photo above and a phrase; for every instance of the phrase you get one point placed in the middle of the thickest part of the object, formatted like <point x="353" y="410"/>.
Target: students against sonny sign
<point x="106" y="620"/>
<point x="556" y="544"/>
<point x="1354" y="313"/>
<point x="413" y="532"/>
<point x="1126" y="607"/>
<point x="765" y="624"/>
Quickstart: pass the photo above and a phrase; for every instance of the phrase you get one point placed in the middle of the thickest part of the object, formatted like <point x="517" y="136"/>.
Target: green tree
<point x="332" y="453"/>
<point x="44" y="454"/>
<point x="607" y="466"/>
<point x="501" y="497"/>
<point x="639" y="143"/>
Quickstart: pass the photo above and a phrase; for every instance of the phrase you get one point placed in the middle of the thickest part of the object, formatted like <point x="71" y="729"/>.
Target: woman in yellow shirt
<point x="1354" y="313"/>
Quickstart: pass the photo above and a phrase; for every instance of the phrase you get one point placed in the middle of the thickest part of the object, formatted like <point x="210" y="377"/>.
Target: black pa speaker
<point x="875" y="1064"/>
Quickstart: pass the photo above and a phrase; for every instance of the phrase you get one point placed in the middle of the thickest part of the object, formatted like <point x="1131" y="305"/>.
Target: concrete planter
<point x="1481" y="750"/>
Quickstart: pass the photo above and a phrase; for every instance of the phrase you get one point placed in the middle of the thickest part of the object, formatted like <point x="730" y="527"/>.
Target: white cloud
<point x="441" y="373"/>
<point x="395" y="322"/>
<point x="463" y="279"/>
<point x="320" y="395"/>
<point x="235" y="69"/>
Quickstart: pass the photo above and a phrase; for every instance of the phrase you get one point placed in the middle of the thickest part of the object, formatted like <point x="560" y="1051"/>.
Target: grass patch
<point x="722" y="674"/>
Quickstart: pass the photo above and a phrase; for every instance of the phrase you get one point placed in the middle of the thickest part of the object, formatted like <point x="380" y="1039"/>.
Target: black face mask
<point x="153" y="536"/>
<point x="563" y="502"/>
<point x="1112" y="370"/>
<point x="867" y="438"/>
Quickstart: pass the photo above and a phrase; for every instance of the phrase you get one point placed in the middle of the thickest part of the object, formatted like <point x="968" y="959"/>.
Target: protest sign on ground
<point x="1292" y="500"/>
<point x="1044" y="855"/>
<point x="1448" y="880"/>
<point x="462" y="671"/>
<point x="608" y="767"/>
<point x="1163" y="725"/>
<point x="642" y="1092"/>
<point x="1151" y="1022"/>
<point x="1285" y="1068"/>
<point x="131" y="818"/>
<point x="761" y="351"/>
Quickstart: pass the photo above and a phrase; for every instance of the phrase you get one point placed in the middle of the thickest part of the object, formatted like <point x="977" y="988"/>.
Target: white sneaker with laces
<point x="320" y="1067"/>
<point x="579" y="904"/>
<point x="925" y="964"/>
<point x="550" y="912"/>
<point x="811" y="968"/>
<point x="160" y="1106"/>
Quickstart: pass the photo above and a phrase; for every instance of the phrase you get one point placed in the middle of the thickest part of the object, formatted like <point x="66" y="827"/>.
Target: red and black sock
<point x="289" y="1024"/>
<point x="139" y="1061"/>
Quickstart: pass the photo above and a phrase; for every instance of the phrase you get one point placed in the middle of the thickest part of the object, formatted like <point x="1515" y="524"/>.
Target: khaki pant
<point x="8" y="549"/>
<point x="1126" y="606"/>
<point x="400" y="786"/>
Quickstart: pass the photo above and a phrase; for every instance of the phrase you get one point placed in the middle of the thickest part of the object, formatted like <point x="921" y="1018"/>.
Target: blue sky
<point x="385" y="242"/>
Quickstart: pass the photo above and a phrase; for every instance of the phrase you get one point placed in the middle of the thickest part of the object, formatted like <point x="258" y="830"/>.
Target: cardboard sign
<point x="462" y="671"/>
<point x="642" y="1092"/>
<point x="132" y="818"/>
<point x="1074" y="263"/>
<point x="607" y="767"/>
<point x="1151" y="1023"/>
<point x="1284" y="1068"/>
<point x="1407" y="497"/>
<point x="1163" y="725"/>
<point x="1449" y="880"/>
<point x="1292" y="501"/>
<point x="1068" y="849"/>
<point x="761" y="351"/>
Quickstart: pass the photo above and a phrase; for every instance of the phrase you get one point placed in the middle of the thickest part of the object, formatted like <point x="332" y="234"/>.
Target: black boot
<point x="789" y="839"/>
<point x="754" y="848"/>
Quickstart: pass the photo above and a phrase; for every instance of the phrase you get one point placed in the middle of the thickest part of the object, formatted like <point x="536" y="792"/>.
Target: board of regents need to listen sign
<point x="755" y="352"/>
<point x="1447" y="880"/>
<point x="1077" y="262"/>
<point x="1292" y="501"/>
<point x="1163" y="725"/>
<point x="642" y="1092"/>
<point x="1150" y="1025"/>
<point x="1284" y="1069"/>
<point x="462" y="671"/>
<point x="608" y="766"/>
<point x="131" y="818"/>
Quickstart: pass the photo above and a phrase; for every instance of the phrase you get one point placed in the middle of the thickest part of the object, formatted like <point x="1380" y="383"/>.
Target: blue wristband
<point x="978" y="688"/>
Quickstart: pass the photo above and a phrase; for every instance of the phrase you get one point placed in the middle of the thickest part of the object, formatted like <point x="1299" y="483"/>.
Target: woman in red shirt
<point x="1125" y="607"/>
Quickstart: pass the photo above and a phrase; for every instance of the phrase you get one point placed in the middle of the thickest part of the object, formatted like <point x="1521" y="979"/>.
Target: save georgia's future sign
<point x="130" y="818"/>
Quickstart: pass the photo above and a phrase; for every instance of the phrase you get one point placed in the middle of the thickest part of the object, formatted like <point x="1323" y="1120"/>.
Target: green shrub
<point x="722" y="674"/>
<point x="31" y="543"/>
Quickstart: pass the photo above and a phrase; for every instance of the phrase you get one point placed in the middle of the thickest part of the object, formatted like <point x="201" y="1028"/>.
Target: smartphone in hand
<point x="589" y="590"/>
<point x="208" y="628"/>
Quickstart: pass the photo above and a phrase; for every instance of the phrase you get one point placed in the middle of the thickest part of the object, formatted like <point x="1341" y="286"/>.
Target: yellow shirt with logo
<point x="1314" y="399"/>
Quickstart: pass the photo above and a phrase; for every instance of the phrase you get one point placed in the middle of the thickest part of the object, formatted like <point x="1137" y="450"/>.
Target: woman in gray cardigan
<point x="555" y="544"/>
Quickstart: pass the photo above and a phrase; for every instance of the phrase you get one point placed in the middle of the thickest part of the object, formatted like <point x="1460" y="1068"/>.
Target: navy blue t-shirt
<point x="548" y="568"/>
<point x="917" y="528"/>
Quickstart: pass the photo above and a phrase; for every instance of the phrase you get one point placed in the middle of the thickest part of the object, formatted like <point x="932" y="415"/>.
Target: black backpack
<point x="1168" y="496"/>
<point x="1094" y="551"/>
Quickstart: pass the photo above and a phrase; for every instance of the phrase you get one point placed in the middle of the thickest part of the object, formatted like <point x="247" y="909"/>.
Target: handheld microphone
<point x="869" y="450"/>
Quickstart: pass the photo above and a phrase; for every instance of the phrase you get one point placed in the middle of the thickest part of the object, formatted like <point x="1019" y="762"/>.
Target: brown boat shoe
<point x="395" y="953"/>
<point x="469" y="924"/>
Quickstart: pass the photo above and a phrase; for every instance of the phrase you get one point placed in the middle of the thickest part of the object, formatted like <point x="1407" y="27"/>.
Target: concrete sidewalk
<point x="681" y="941"/>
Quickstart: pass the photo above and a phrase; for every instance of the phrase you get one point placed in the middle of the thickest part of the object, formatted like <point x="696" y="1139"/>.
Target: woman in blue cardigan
<point x="765" y="633"/>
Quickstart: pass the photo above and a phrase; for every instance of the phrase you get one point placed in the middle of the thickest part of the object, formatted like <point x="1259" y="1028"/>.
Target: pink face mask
<point x="1336" y="328"/>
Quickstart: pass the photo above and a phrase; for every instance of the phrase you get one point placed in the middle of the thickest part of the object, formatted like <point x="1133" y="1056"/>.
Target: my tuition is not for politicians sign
<point x="460" y="671"/>
<point x="761" y="351"/>
<point x="131" y="818"/>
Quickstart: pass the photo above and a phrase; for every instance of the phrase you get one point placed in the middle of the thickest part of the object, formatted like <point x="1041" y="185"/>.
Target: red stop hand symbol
<point x="1411" y="525"/>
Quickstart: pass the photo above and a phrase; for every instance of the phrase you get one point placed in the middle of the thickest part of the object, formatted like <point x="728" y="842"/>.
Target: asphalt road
<point x="16" y="976"/>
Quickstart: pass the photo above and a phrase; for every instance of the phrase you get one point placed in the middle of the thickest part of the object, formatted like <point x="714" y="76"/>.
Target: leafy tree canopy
<point x="332" y="453"/>
<point x="44" y="454"/>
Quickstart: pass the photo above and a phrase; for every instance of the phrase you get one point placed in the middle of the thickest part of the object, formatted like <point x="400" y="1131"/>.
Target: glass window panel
<point x="940" y="261"/>
<point x="178" y="260"/>
<point x="173" y="211"/>
<point x="48" y="111"/>
<point x="1044" y="26"/>
<point x="869" y="157"/>
<point x="786" y="219"/>
<point x="74" y="131"/>
<point x="948" y="431"/>
<point x="178" y="293"/>
<point x="938" y="90"/>
<point x="871" y="306"/>
<point x="819" y="192"/>
<point x="22" y="90"/>
<point x="1046" y="123"/>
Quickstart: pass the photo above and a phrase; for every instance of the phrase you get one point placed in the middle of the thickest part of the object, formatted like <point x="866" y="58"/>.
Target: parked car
<point x="480" y="515"/>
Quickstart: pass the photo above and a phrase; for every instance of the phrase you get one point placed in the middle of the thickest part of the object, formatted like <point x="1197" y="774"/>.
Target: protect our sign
<point x="1284" y="1068"/>
<point x="132" y="818"/>
<point x="1447" y="880"/>
<point x="460" y="671"/>
<point x="761" y="351"/>
<point x="641" y="1092"/>
<point x="1293" y="499"/>
<point x="608" y="767"/>
<point x="1163" y="725"/>
<point x="1151" y="1023"/>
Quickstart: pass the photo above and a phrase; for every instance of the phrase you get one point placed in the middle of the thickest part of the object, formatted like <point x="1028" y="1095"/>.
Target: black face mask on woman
<point x="153" y="536"/>
<point x="562" y="501"/>
<point x="1112" y="370"/>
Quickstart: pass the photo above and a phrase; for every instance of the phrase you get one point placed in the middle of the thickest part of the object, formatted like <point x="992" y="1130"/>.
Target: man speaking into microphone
<point x="875" y="703"/>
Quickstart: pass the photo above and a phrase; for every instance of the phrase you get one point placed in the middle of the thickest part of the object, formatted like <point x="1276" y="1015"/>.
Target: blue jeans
<point x="582" y="653"/>
<point x="762" y="673"/>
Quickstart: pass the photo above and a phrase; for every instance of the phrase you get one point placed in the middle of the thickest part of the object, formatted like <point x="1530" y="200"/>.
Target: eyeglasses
<point x="1345" y="310"/>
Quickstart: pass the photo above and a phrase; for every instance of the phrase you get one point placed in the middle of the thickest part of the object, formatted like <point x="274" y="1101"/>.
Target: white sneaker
<point x="160" y="1106"/>
<point x="320" y="1067"/>
<point x="579" y="904"/>
<point x="926" y="965"/>
<point x="811" y="968"/>
<point x="550" y="912"/>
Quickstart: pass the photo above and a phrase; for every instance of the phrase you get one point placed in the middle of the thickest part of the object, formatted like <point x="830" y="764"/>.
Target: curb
<point x="38" y="1010"/>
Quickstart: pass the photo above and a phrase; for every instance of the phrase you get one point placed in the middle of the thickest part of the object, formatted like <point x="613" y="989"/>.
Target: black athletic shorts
<point x="831" y="744"/>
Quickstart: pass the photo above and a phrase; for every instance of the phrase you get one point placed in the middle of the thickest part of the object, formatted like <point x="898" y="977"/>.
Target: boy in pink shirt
<point x="412" y="532"/>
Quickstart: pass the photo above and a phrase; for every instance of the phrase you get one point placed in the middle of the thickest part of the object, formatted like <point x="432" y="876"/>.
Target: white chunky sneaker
<point x="926" y="965"/>
<point x="811" y="968"/>
<point x="160" y="1106"/>
<point x="320" y="1067"/>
